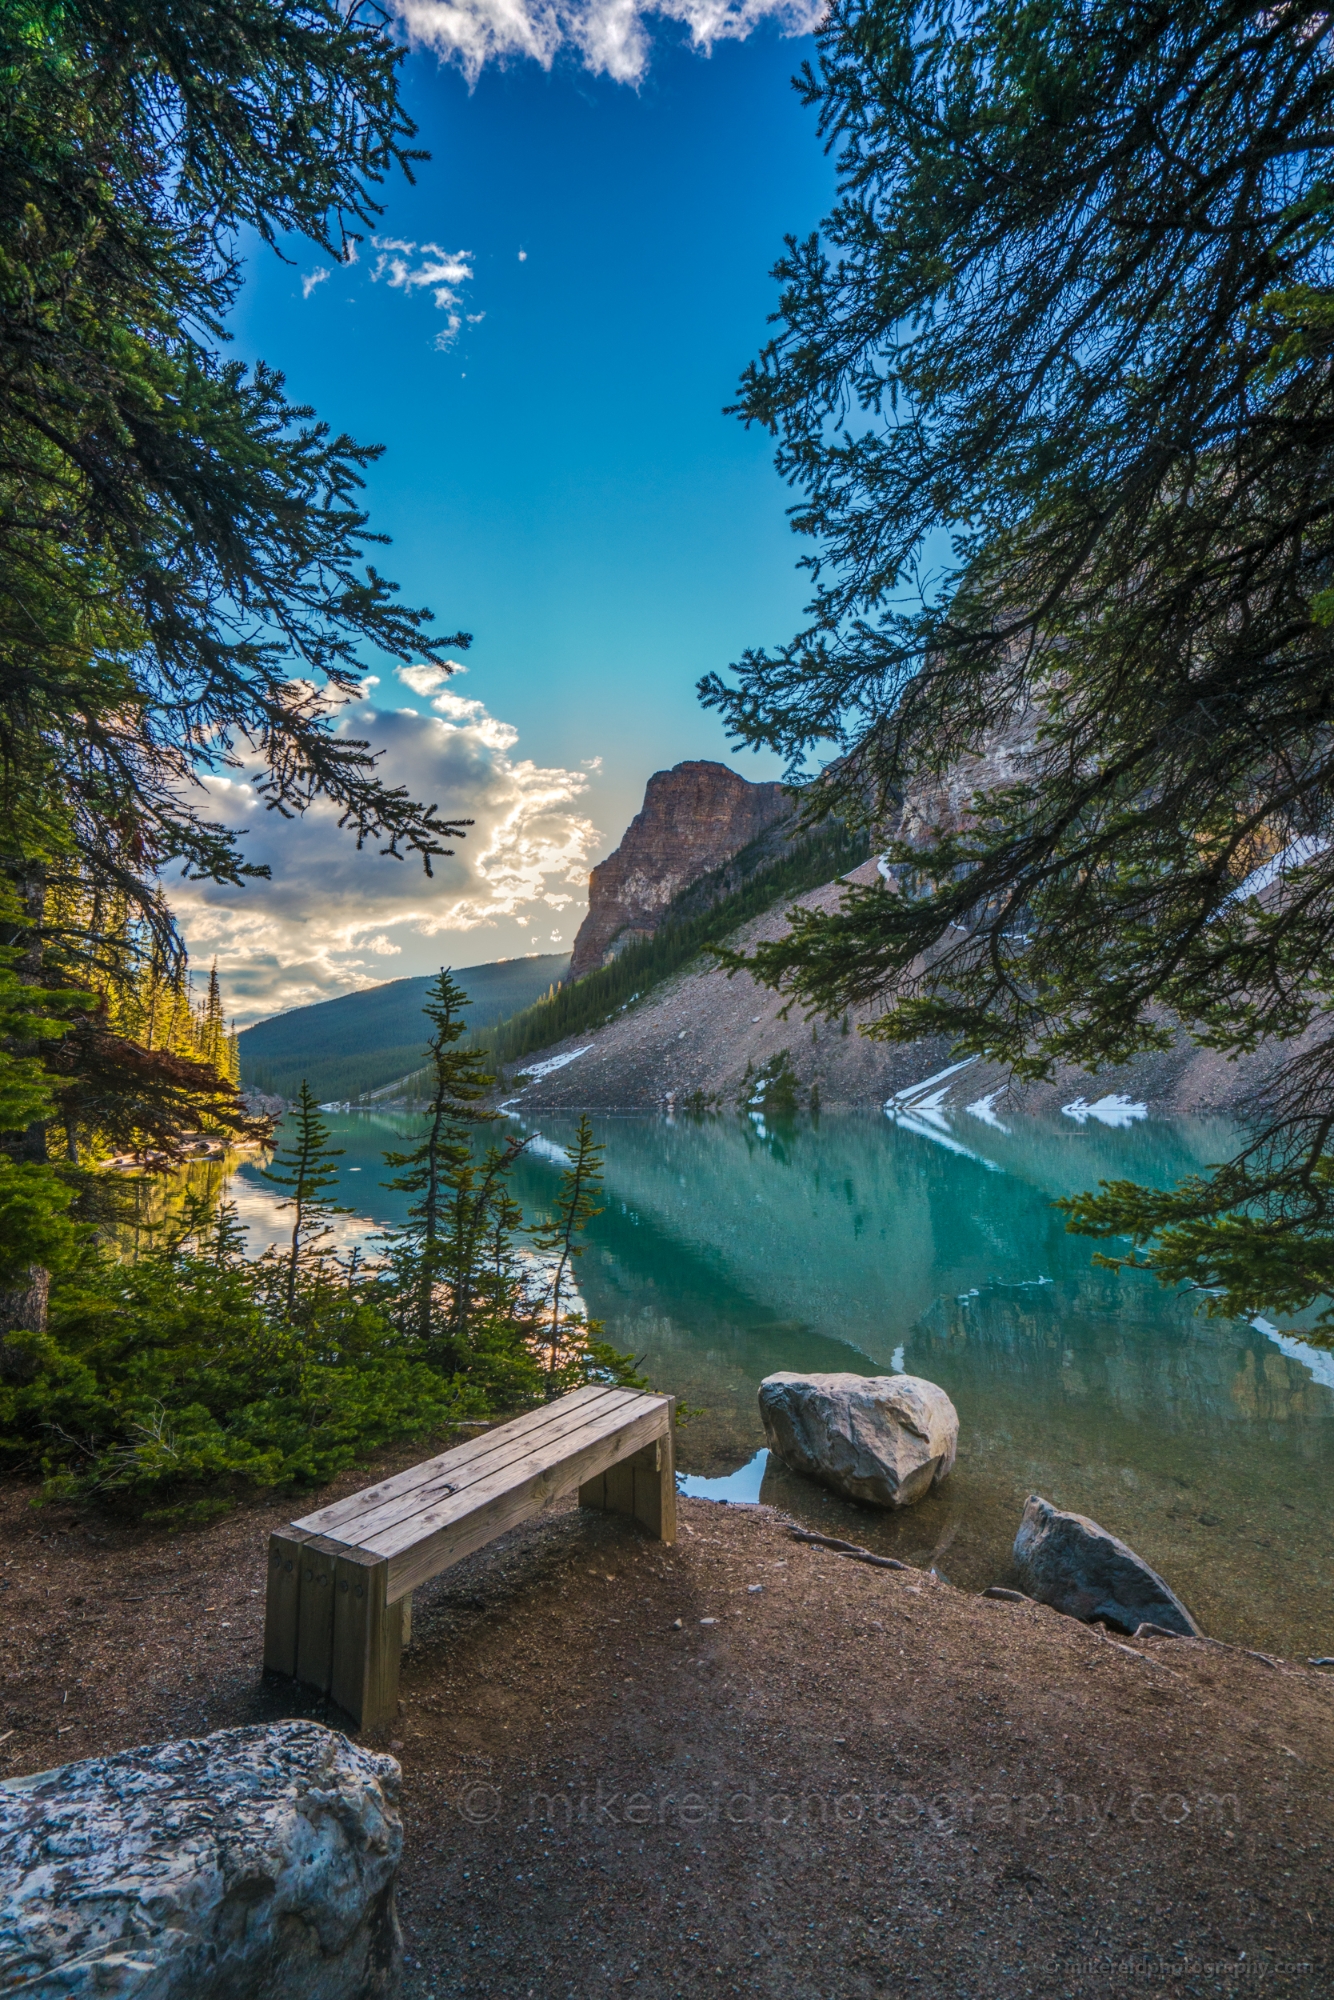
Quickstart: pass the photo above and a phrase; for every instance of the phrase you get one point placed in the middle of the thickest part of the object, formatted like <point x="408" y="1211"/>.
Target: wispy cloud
<point x="331" y="917"/>
<point x="425" y="267"/>
<point x="612" y="36"/>
<point x="311" y="279"/>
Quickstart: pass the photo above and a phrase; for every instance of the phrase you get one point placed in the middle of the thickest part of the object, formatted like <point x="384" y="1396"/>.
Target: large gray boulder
<point x="1069" y="1562"/>
<point x="885" y="1440"/>
<point x="256" y="1864"/>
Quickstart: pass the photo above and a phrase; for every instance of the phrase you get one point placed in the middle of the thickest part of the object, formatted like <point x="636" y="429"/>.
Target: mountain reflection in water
<point x="726" y="1250"/>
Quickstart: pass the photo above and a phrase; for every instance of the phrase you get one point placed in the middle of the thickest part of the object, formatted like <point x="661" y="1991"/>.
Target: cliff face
<point x="695" y="817"/>
<point x="934" y="805"/>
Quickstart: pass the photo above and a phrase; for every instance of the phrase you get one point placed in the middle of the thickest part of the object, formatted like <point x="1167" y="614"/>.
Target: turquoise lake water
<point x="727" y="1250"/>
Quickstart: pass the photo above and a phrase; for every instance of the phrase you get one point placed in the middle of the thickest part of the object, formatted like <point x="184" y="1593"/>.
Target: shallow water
<point x="726" y="1251"/>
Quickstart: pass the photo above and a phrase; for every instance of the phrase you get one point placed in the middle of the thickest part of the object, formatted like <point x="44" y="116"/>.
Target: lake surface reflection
<point x="726" y="1250"/>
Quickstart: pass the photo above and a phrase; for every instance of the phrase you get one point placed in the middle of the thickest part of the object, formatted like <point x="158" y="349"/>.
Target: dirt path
<point x="743" y="1765"/>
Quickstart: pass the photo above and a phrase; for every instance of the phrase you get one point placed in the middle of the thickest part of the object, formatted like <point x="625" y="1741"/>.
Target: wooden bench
<point x="338" y="1604"/>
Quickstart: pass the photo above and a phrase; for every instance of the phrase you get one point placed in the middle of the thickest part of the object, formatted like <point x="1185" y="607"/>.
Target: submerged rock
<point x="255" y="1864"/>
<point x="1069" y="1562"/>
<point x="885" y="1440"/>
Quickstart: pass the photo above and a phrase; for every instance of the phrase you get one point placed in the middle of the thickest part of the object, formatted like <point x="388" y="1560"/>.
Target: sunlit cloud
<point x="611" y="36"/>
<point x="331" y="918"/>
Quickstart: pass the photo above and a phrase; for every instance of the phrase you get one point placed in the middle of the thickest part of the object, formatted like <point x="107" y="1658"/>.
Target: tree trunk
<point x="23" y="1307"/>
<point x="22" y="1310"/>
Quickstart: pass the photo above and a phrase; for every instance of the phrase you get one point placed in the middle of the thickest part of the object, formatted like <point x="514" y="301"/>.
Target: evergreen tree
<point x="1075" y="306"/>
<point x="504" y="1220"/>
<point x="179" y="542"/>
<point x="574" y="1208"/>
<point x="184" y="565"/>
<point x="438" y="1171"/>
<point x="481" y="1219"/>
<point x="35" y="1229"/>
<point x="211" y="1036"/>
<point x="306" y="1167"/>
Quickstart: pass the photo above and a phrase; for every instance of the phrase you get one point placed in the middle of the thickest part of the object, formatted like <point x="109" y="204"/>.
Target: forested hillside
<point x="362" y="1041"/>
<point x="692" y="922"/>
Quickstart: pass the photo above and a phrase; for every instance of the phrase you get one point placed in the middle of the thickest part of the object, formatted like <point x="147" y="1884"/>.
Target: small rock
<point x="255" y="1864"/>
<point x="1003" y="1596"/>
<point x="1071" y="1563"/>
<point x="885" y="1440"/>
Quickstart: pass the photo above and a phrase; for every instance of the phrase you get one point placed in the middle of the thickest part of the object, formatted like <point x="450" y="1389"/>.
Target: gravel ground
<point x="742" y="1765"/>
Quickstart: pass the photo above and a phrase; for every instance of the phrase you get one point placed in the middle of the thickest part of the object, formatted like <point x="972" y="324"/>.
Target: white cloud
<point x="330" y="916"/>
<point x="310" y="279"/>
<point x="425" y="267"/>
<point x="428" y="679"/>
<point x="612" y="36"/>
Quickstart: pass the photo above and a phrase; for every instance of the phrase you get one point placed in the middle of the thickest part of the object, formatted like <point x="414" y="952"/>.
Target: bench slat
<point x="544" y="1456"/>
<point x="419" y="1550"/>
<point x="333" y="1519"/>
<point x="510" y="1456"/>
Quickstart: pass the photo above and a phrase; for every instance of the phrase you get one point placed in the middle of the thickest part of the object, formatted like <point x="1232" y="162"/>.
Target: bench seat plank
<point x="420" y="1549"/>
<point x="329" y="1520"/>
<point x="386" y="1526"/>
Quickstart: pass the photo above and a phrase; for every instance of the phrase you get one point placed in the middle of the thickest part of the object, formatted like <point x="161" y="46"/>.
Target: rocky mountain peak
<point x="694" y="819"/>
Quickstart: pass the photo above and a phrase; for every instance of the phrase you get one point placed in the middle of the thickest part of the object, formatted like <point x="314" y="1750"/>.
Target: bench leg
<point x="327" y="1625"/>
<point x="282" y="1601"/>
<point x="315" y="1614"/>
<point x="367" y="1642"/>
<point x="643" y="1486"/>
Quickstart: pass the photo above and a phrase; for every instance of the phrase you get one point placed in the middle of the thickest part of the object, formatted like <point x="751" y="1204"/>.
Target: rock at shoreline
<point x="885" y="1440"/>
<point x="1070" y="1563"/>
<point x="255" y="1864"/>
<point x="263" y="1104"/>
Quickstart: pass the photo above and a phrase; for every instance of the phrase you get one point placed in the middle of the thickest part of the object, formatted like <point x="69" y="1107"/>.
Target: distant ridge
<point x="360" y="1042"/>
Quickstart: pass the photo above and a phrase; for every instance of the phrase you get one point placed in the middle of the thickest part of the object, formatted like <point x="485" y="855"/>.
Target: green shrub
<point x="174" y="1374"/>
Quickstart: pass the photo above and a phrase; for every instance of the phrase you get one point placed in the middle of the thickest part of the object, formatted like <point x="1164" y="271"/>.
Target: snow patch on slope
<point x="1116" y="1110"/>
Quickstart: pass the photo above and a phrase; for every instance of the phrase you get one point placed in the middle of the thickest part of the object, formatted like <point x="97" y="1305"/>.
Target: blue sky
<point x="543" y="337"/>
